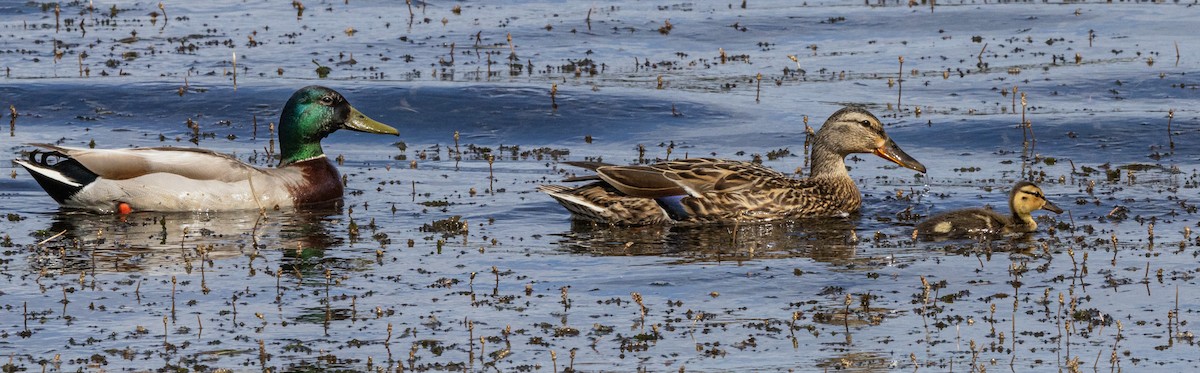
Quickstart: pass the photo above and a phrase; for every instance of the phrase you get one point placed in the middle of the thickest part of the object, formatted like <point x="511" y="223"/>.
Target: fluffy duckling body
<point x="708" y="190"/>
<point x="1023" y="199"/>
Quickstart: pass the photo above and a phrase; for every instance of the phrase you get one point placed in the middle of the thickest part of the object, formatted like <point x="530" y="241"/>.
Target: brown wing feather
<point x="640" y="181"/>
<point x="585" y="165"/>
<point x="694" y="176"/>
<point x="718" y="190"/>
<point x="705" y="175"/>
<point x="588" y="164"/>
<point x="574" y="179"/>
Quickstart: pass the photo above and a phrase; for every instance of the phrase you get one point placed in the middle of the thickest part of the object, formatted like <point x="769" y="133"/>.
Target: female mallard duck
<point x="1024" y="198"/>
<point x="184" y="179"/>
<point x="704" y="190"/>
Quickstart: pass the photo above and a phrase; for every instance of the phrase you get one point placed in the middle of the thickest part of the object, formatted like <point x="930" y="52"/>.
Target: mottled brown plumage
<point x="707" y="190"/>
<point x="1023" y="199"/>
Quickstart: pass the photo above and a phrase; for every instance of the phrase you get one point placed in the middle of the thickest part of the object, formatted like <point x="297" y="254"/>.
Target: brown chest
<point x="320" y="182"/>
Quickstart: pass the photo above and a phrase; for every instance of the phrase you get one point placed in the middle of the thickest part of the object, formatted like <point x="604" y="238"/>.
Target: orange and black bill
<point x="891" y="152"/>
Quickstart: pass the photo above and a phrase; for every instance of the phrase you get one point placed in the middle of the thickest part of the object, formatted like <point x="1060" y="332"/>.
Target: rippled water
<point x="390" y="281"/>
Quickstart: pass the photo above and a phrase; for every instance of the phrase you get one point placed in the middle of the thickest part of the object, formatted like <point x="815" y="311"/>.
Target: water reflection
<point x="859" y="361"/>
<point x="824" y="240"/>
<point x="169" y="242"/>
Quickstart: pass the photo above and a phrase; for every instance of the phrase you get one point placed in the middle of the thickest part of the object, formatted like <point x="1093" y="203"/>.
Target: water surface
<point x="514" y="284"/>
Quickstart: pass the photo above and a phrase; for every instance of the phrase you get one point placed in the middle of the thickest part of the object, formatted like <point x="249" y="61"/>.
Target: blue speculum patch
<point x="674" y="206"/>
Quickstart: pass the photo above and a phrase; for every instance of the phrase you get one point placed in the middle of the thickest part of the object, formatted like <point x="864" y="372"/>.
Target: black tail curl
<point x="47" y="162"/>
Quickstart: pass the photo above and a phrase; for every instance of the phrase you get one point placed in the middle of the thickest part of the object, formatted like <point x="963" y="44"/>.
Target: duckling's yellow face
<point x="855" y="130"/>
<point x="1027" y="197"/>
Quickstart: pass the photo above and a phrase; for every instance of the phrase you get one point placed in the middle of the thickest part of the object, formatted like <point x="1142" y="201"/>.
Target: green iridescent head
<point x="314" y="112"/>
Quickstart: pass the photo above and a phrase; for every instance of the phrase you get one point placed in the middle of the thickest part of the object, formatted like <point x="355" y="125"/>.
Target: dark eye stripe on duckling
<point x="1035" y="194"/>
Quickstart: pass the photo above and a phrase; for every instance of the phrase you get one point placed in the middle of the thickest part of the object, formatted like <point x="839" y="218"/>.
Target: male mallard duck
<point x="703" y="190"/>
<point x="185" y="179"/>
<point x="1024" y="198"/>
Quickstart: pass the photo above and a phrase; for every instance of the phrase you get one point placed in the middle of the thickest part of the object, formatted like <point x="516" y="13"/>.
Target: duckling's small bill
<point x="1051" y="207"/>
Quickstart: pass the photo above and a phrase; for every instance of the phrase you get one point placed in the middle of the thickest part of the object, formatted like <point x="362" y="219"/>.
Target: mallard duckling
<point x="707" y="190"/>
<point x="187" y="179"/>
<point x="1024" y="198"/>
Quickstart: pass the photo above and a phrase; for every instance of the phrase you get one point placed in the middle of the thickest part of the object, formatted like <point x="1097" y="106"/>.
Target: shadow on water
<point x="829" y="241"/>
<point x="154" y="241"/>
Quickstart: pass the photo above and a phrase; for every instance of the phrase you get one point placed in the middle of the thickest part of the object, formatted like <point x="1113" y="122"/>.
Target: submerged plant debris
<point x="444" y="257"/>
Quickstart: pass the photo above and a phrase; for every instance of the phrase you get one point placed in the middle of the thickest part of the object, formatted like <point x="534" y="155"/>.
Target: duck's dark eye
<point x="327" y="100"/>
<point x="865" y="123"/>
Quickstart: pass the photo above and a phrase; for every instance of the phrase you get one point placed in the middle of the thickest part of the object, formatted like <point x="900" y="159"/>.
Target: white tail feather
<point x="47" y="172"/>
